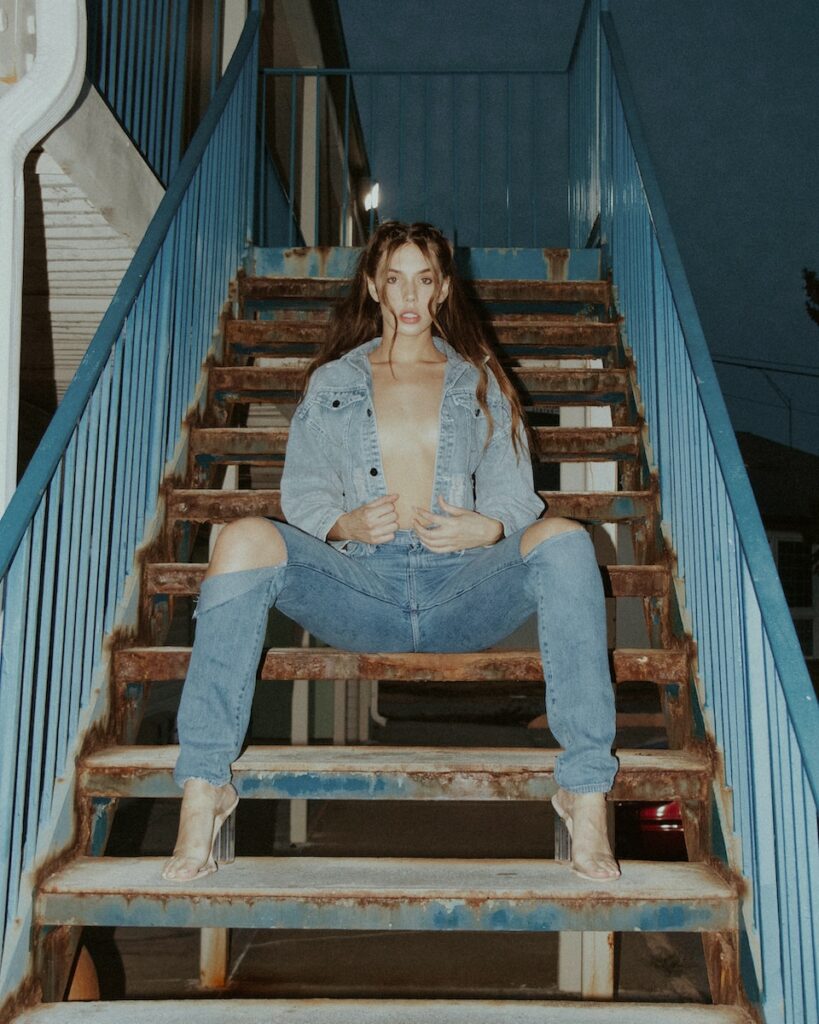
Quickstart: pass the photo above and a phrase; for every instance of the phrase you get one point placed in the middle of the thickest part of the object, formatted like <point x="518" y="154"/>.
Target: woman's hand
<point x="373" y="523"/>
<point x="460" y="528"/>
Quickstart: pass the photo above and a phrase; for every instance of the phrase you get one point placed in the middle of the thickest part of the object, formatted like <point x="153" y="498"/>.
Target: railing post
<point x="308" y="214"/>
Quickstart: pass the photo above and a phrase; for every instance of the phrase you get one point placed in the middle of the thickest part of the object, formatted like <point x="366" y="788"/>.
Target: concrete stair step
<point x="394" y="773"/>
<point x="265" y="447"/>
<point x="182" y="578"/>
<point x="164" y="664"/>
<point x="517" y="335"/>
<point x="212" y="506"/>
<point x="427" y="894"/>
<point x="379" y="1011"/>
<point x="539" y="386"/>
<point x="596" y="293"/>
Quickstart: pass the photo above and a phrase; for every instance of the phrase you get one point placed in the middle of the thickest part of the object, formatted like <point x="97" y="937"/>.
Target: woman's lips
<point x="409" y="318"/>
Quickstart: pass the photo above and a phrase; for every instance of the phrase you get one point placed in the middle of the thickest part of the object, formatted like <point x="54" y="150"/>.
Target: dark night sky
<point x="729" y="97"/>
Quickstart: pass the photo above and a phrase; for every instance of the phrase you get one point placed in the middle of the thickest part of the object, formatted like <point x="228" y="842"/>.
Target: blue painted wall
<point x="728" y="95"/>
<point x="449" y="35"/>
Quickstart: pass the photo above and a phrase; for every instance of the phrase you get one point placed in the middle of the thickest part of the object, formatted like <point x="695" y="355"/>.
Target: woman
<point x="412" y="526"/>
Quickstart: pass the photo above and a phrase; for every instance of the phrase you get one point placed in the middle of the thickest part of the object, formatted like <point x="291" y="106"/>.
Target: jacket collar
<point x="456" y="366"/>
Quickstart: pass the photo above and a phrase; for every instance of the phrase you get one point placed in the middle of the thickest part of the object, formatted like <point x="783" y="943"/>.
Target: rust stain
<point x="249" y="383"/>
<point x="28" y="995"/>
<point x="557" y="260"/>
<point x="294" y="288"/>
<point x="299" y="261"/>
<point x="223" y="506"/>
<point x="239" y="440"/>
<point x="275" y="330"/>
<point x="146" y="664"/>
<point x="318" y="288"/>
<point x="249" y="378"/>
<point x="722" y="965"/>
<point x="597" y="506"/>
<point x="174" y="578"/>
<point x="592" y="292"/>
<point x="637" y="580"/>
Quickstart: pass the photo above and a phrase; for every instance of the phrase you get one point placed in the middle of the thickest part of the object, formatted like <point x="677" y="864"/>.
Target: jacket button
<point x="477" y="412"/>
<point x="373" y="471"/>
<point x="369" y="412"/>
<point x="336" y="403"/>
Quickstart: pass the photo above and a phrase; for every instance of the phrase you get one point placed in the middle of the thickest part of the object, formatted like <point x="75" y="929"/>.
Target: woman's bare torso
<point x="407" y="400"/>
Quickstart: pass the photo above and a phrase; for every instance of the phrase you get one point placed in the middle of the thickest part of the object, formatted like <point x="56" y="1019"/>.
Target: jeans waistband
<point x="404" y="540"/>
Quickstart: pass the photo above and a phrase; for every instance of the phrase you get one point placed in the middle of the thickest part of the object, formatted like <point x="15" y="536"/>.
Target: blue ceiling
<point x="444" y="35"/>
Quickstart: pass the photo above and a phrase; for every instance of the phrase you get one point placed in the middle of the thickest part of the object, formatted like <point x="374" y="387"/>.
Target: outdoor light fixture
<point x="371" y="198"/>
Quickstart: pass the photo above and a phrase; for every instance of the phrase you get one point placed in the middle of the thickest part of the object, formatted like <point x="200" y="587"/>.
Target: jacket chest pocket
<point x="469" y="421"/>
<point x="335" y="413"/>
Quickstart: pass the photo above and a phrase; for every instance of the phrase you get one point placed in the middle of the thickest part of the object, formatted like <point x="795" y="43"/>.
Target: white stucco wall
<point x="53" y="61"/>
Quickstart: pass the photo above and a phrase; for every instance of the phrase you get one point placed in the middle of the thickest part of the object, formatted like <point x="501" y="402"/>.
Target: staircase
<point x="540" y="323"/>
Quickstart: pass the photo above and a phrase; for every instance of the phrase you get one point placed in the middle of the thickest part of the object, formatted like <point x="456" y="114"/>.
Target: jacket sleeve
<point x="504" y="487"/>
<point x="311" y="486"/>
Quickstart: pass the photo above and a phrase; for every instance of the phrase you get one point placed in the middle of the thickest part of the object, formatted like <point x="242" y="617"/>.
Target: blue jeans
<point x="403" y="597"/>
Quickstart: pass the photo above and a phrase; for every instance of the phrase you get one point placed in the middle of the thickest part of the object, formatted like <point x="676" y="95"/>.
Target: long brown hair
<point x="357" y="318"/>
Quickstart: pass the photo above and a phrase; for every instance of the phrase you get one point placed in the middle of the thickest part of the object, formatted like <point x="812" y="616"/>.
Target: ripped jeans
<point x="403" y="597"/>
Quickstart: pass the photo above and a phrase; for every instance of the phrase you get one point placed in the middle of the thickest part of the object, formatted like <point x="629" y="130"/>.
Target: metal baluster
<point x="176" y="140"/>
<point x="508" y="159"/>
<point x="534" y="184"/>
<point x="346" y="165"/>
<point x="40" y="801"/>
<point x="454" y="144"/>
<point x="132" y="82"/>
<point x="480" y="160"/>
<point x="215" y="46"/>
<point x="318" y="238"/>
<point x="11" y="708"/>
<point x="291" y="184"/>
<point x="401" y="211"/>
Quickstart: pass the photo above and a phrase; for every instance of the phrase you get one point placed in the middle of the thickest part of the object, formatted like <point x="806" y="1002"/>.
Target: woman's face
<point x="408" y="292"/>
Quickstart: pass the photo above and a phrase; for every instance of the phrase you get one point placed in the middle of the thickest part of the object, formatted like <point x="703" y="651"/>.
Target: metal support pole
<point x="585" y="960"/>
<point x="585" y="964"/>
<point x="300" y="734"/>
<point x="214" y="957"/>
<point x="340" y="712"/>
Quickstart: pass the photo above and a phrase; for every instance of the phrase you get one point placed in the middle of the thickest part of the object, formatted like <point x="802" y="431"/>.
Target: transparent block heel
<point x="563" y="840"/>
<point x="224" y="842"/>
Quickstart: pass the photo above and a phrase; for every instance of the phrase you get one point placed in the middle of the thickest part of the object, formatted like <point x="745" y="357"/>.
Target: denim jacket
<point x="333" y="461"/>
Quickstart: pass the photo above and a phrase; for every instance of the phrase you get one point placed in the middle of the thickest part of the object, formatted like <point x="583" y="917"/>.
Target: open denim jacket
<point x="333" y="460"/>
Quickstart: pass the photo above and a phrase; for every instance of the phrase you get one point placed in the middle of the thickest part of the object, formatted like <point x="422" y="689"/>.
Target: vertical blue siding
<point x="443" y="147"/>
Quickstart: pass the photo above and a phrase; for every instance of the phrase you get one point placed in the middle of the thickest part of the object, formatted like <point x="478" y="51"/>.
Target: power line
<point x="773" y="405"/>
<point x="763" y="364"/>
<point x="771" y="362"/>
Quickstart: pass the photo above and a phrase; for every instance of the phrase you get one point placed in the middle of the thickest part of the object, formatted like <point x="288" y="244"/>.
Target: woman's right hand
<point x="373" y="523"/>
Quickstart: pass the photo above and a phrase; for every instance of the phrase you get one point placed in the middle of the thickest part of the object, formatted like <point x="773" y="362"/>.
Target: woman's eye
<point x="392" y="279"/>
<point x="426" y="280"/>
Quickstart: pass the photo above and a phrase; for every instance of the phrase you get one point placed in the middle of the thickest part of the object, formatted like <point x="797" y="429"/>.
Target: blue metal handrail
<point x="752" y="682"/>
<point x="70" y="535"/>
<point x="452" y="164"/>
<point x="140" y="60"/>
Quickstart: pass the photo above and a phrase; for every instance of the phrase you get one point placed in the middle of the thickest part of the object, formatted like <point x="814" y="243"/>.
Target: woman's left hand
<point x="460" y="528"/>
